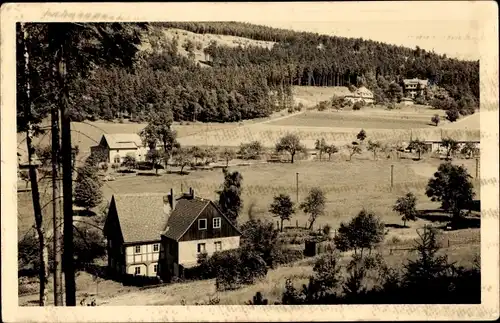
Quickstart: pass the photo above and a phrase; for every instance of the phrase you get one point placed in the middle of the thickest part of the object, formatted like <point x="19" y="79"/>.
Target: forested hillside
<point x="246" y="82"/>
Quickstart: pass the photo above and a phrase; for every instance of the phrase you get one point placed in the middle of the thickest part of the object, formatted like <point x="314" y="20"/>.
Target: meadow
<point x="348" y="119"/>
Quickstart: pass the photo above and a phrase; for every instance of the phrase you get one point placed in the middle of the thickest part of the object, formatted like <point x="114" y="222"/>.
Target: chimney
<point x="168" y="207"/>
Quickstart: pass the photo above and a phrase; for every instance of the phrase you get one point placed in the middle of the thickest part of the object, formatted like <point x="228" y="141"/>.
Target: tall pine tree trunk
<point x="56" y="221"/>
<point x="33" y="176"/>
<point x="67" y="158"/>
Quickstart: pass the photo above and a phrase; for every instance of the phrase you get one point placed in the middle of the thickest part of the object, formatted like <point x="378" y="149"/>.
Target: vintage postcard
<point x="249" y="161"/>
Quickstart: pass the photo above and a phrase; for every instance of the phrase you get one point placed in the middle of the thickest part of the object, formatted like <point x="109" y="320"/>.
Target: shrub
<point x="357" y="106"/>
<point x="237" y="267"/>
<point x="452" y="115"/>
<point x="262" y="238"/>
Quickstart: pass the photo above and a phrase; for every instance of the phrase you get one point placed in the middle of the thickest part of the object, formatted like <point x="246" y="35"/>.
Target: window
<point x="156" y="247"/>
<point x="202" y="224"/>
<point x="117" y="159"/>
<point x="155" y="268"/>
<point x="216" y="223"/>
<point x="137" y="249"/>
<point x="201" y="248"/>
<point x="137" y="271"/>
<point x="218" y="245"/>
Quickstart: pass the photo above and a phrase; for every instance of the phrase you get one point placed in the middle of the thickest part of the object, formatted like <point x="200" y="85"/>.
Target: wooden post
<point x="392" y="176"/>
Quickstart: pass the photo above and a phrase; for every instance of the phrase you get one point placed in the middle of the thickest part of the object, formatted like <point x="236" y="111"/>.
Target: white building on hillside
<point x="360" y="95"/>
<point x="118" y="145"/>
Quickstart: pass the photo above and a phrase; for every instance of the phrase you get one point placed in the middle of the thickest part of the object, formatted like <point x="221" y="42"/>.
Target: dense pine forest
<point x="245" y="82"/>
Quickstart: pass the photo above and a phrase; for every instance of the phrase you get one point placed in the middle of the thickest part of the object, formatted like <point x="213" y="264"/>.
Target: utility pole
<point x="297" y="184"/>
<point x="67" y="168"/>
<point x="392" y="176"/>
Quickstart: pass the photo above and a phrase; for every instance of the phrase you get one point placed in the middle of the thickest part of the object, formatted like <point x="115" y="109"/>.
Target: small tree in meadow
<point x="364" y="231"/>
<point x="374" y="146"/>
<point x="452" y="187"/>
<point x="330" y="150"/>
<point x="418" y="146"/>
<point x="228" y="155"/>
<point x="282" y="207"/>
<point x="361" y="136"/>
<point x="320" y="146"/>
<point x="406" y="207"/>
<point x="291" y="144"/>
<point x="451" y="147"/>
<point x="154" y="156"/>
<point x="435" y="119"/>
<point x="182" y="158"/>
<point x="314" y="205"/>
<point x="354" y="149"/>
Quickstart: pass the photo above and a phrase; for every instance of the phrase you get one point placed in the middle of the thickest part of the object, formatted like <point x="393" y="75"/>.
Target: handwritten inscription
<point x="82" y="15"/>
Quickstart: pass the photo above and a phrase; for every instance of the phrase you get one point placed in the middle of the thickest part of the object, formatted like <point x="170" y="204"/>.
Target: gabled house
<point x="360" y="95"/>
<point x="118" y="145"/>
<point x="132" y="230"/>
<point x="158" y="235"/>
<point x="194" y="226"/>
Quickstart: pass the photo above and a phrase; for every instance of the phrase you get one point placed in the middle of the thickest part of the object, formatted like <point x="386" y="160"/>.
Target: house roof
<point x="141" y="216"/>
<point x="362" y="92"/>
<point x="184" y="214"/>
<point x="123" y="140"/>
<point x="415" y="81"/>
<point x="438" y="134"/>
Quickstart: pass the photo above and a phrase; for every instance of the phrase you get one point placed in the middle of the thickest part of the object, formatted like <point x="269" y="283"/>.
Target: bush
<point x="357" y="106"/>
<point x="234" y="268"/>
<point x="143" y="165"/>
<point x="452" y="115"/>
<point x="262" y="238"/>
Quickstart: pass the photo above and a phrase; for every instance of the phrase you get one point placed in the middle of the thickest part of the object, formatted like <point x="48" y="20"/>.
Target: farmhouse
<point x="118" y="145"/>
<point x="360" y="95"/>
<point x="414" y="87"/>
<point x="194" y="226"/>
<point x="434" y="143"/>
<point x="157" y="235"/>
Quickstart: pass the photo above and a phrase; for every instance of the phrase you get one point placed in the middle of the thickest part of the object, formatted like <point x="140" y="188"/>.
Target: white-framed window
<point x="155" y="268"/>
<point x="137" y="249"/>
<point x="137" y="270"/>
<point x="156" y="247"/>
<point x="201" y="248"/>
<point x="218" y="245"/>
<point x="216" y="223"/>
<point x="202" y="224"/>
<point x="117" y="159"/>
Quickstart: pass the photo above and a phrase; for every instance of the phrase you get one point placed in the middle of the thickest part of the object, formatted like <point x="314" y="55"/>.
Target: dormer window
<point x="202" y="224"/>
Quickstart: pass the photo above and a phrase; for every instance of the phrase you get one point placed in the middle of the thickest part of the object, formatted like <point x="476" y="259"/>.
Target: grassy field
<point x="368" y="181"/>
<point x="347" y="119"/>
